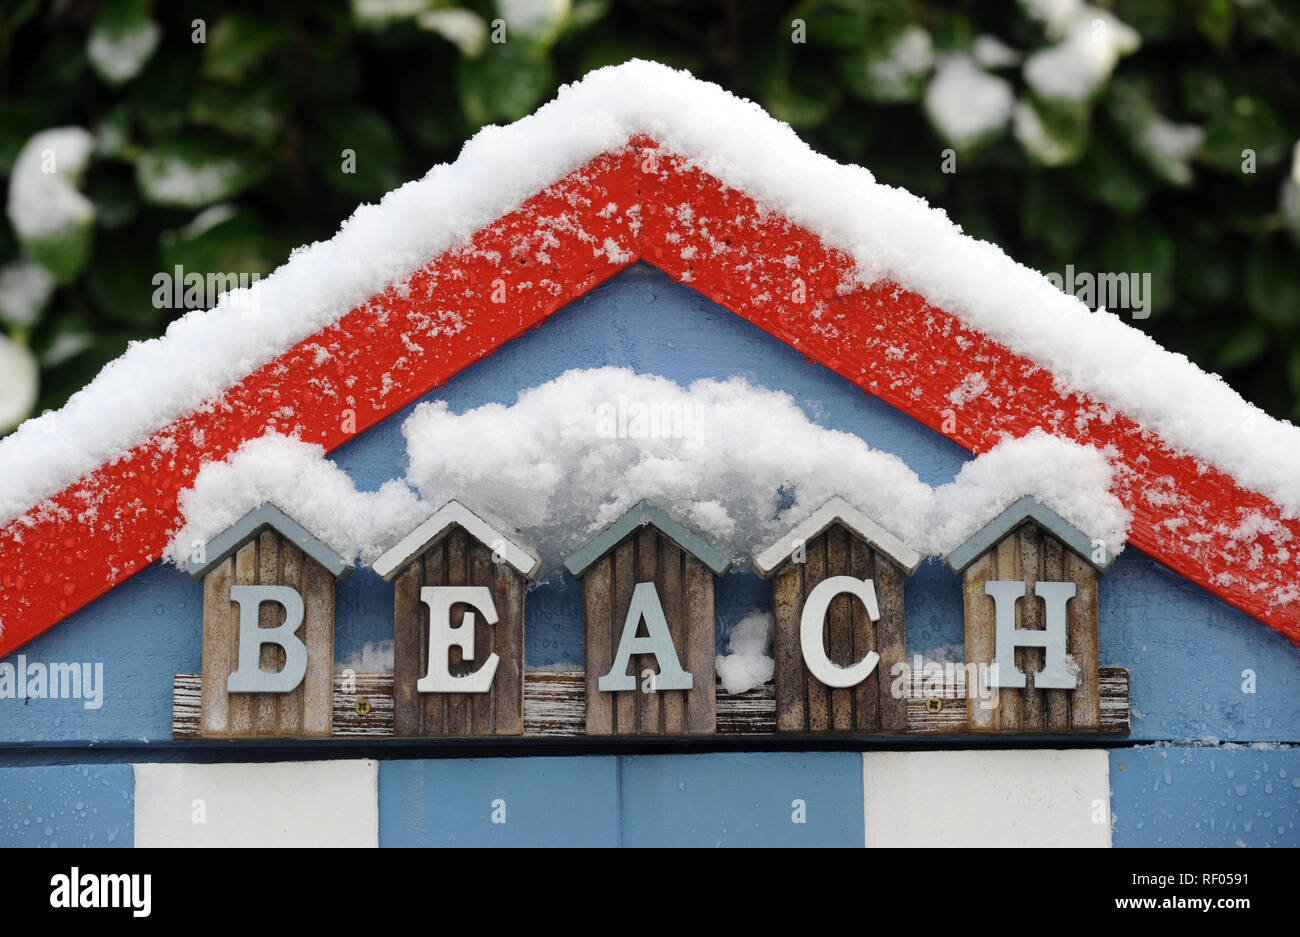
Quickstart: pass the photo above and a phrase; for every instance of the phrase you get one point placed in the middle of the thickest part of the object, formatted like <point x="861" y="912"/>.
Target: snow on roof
<point x="432" y="529"/>
<point x="889" y="232"/>
<point x="737" y="462"/>
<point x="297" y="478"/>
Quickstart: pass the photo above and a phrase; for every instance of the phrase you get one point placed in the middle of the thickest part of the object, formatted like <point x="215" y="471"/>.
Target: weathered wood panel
<point x="555" y="707"/>
<point x="867" y="697"/>
<point x="701" y="657"/>
<point x="685" y="589"/>
<point x="1030" y="616"/>
<point x="804" y="703"/>
<point x="672" y="593"/>
<point x="268" y="560"/>
<point x="218" y="620"/>
<point x="1032" y="555"/>
<point x="1058" y="701"/>
<point x="980" y="631"/>
<point x="818" y="693"/>
<point x="1081" y="628"/>
<point x="790" y="675"/>
<point x="891" y="645"/>
<point x="597" y="596"/>
<point x="458" y="559"/>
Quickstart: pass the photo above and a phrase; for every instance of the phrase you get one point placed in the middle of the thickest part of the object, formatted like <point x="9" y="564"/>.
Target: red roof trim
<point x="106" y="527"/>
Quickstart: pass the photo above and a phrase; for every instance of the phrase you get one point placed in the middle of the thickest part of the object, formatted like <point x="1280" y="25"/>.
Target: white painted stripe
<point x="1028" y="797"/>
<point x="305" y="803"/>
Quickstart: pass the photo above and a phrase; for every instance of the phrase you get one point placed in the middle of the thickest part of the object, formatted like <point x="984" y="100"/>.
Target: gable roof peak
<point x="435" y="527"/>
<point x="267" y="516"/>
<point x="839" y="510"/>
<point x="1028" y="508"/>
<point x="640" y="514"/>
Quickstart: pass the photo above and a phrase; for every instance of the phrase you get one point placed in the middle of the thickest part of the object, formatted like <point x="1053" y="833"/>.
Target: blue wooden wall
<point x="1186" y="651"/>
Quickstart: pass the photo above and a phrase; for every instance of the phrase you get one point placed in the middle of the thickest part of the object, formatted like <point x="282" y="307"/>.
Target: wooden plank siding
<point x="804" y="704"/>
<point x="269" y="559"/>
<point x="685" y="589"/>
<point x="555" y="707"/>
<point x="1032" y="555"/>
<point x="458" y="559"/>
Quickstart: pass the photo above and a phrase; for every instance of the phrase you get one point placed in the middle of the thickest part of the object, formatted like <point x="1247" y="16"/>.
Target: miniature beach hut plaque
<point x="268" y="629"/>
<point x="838" y="629"/>
<point x="648" y="598"/>
<point x="1029" y="583"/>
<point x="458" y="636"/>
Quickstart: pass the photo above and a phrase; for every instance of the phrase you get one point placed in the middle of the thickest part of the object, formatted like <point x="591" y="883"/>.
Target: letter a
<point x="645" y="604"/>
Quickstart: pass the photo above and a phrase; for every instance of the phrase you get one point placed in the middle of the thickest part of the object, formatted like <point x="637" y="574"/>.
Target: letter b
<point x="249" y="677"/>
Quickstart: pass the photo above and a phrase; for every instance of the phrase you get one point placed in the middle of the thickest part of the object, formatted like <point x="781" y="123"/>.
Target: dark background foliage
<point x="269" y="100"/>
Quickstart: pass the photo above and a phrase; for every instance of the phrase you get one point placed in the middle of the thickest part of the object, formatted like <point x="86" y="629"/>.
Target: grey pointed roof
<point x="222" y="546"/>
<point x="1027" y="508"/>
<point x="839" y="510"/>
<point x="646" y="513"/>
<point x="435" y="528"/>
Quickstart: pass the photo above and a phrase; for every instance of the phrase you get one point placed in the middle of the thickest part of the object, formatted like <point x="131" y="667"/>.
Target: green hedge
<point x="222" y="155"/>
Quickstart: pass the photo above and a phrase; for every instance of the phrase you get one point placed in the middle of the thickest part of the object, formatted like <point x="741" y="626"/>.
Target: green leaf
<point x="19" y="122"/>
<point x="254" y="111"/>
<point x="1141" y="246"/>
<point x="161" y="97"/>
<point x="834" y="24"/>
<point x="237" y="44"/>
<point x="800" y="97"/>
<point x="122" y="39"/>
<point x="63" y="253"/>
<point x="1215" y="20"/>
<point x="1271" y="289"/>
<point x="1050" y="213"/>
<point x="1109" y="176"/>
<point x="115" y="201"/>
<point x="120" y="284"/>
<point x="1050" y="135"/>
<point x="1206" y="273"/>
<point x="1240" y="347"/>
<point x="196" y="170"/>
<point x="53" y="220"/>
<point x="464" y="29"/>
<point x="504" y="84"/>
<point x="357" y="151"/>
<point x="891" y="68"/>
<point x="221" y="240"/>
<point x="1248" y="122"/>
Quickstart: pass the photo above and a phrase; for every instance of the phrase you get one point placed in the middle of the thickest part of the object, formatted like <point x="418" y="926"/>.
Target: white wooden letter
<point x="443" y="637"/>
<point x="645" y="604"/>
<point x="812" y="622"/>
<point x="1003" y="671"/>
<point x="249" y="677"/>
